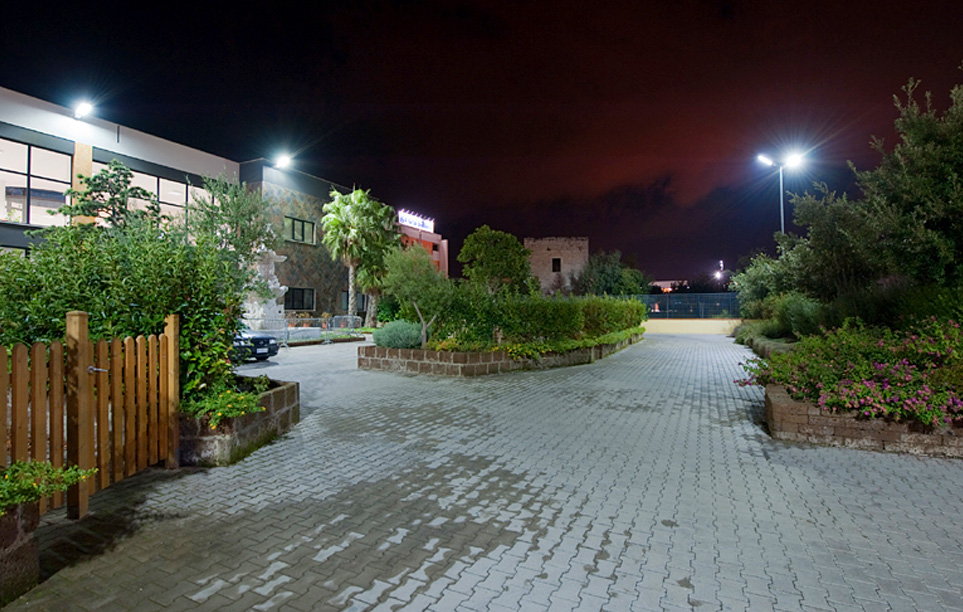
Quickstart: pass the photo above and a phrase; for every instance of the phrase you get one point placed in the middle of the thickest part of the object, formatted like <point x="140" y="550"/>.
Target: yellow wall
<point x="691" y="326"/>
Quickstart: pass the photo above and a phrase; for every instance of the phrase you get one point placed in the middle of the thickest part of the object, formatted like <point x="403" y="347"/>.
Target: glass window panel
<point x="49" y="164"/>
<point x="97" y="167"/>
<point x="20" y="252"/>
<point x="13" y="156"/>
<point x="198" y="193"/>
<point x="13" y="197"/>
<point x="172" y="192"/>
<point x="46" y="197"/>
<point x="137" y="204"/>
<point x="145" y="181"/>
<point x="174" y="212"/>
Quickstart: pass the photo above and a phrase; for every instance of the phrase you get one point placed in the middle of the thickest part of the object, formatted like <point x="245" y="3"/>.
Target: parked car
<point x="250" y="344"/>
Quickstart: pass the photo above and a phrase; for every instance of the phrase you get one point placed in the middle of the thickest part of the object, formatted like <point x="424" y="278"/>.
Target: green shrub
<point x="604" y="315"/>
<point x="24" y="482"/>
<point x="536" y="318"/>
<point x="773" y="328"/>
<point x="131" y="273"/>
<point x="475" y="316"/>
<point x="388" y="308"/>
<point x="798" y="314"/>
<point x="922" y="303"/>
<point x="398" y="334"/>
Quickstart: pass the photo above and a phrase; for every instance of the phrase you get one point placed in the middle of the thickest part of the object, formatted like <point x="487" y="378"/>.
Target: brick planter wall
<point x="449" y="363"/>
<point x="236" y="437"/>
<point x="19" y="556"/>
<point x="797" y="421"/>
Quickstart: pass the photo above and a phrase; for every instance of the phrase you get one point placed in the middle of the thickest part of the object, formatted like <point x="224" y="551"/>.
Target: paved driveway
<point x="641" y="482"/>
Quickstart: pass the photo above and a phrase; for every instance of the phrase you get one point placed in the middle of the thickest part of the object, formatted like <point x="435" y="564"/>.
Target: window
<point x="360" y="298"/>
<point x="297" y="230"/>
<point x="33" y="183"/>
<point x="299" y="299"/>
<point x="556" y="264"/>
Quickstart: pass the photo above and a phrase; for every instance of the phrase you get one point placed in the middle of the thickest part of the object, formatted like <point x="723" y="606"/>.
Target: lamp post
<point x="791" y="162"/>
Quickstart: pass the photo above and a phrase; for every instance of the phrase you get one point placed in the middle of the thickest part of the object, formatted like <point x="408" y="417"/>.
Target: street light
<point x="83" y="109"/>
<point x="792" y="161"/>
<point x="283" y="161"/>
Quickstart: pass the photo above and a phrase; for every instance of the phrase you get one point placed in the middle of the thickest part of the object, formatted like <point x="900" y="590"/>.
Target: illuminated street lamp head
<point x="82" y="110"/>
<point x="766" y="160"/>
<point x="283" y="161"/>
<point x="793" y="160"/>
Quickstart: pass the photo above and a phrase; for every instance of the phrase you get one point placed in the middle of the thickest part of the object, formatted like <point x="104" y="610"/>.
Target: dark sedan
<point x="250" y="344"/>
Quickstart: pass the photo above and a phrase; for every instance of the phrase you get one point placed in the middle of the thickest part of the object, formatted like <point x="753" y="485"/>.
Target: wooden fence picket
<point x="57" y="414"/>
<point x="153" y="436"/>
<point x="130" y="407"/>
<point x="38" y="406"/>
<point x="117" y="404"/>
<point x="102" y="364"/>
<point x="4" y="383"/>
<point x="19" y="418"/>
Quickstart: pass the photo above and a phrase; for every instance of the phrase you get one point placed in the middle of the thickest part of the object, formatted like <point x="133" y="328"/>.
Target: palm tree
<point x="381" y="237"/>
<point x="356" y="227"/>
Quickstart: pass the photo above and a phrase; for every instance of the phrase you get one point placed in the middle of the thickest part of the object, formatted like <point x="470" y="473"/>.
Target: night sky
<point x="634" y="123"/>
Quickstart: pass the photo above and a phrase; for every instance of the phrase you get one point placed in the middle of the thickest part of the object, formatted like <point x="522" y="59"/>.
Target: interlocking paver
<point x="644" y="481"/>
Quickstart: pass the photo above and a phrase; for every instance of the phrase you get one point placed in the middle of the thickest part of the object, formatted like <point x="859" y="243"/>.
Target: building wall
<point x="49" y="119"/>
<point x="309" y="265"/>
<point x="556" y="260"/>
<point x="43" y="148"/>
<point x="434" y="244"/>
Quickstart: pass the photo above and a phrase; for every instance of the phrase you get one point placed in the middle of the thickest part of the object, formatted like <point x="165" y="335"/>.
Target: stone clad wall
<point x="449" y="363"/>
<point x="797" y="421"/>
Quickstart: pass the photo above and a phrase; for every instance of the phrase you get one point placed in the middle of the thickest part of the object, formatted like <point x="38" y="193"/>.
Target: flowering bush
<point x="28" y="481"/>
<point x="223" y="402"/>
<point x="874" y="372"/>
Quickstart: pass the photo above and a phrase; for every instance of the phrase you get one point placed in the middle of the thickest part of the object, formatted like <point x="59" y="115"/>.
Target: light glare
<point x="766" y="160"/>
<point x="283" y="161"/>
<point x="83" y="109"/>
<point x="793" y="160"/>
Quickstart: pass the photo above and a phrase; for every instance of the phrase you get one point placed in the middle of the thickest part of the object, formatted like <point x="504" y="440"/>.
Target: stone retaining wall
<point x="19" y="557"/>
<point x="236" y="437"/>
<point x="450" y="363"/>
<point x="797" y="421"/>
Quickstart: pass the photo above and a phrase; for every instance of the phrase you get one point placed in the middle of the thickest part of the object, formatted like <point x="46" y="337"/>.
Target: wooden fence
<point x="110" y="405"/>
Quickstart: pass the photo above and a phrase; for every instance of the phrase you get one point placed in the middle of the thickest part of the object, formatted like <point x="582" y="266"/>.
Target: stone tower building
<point x="556" y="260"/>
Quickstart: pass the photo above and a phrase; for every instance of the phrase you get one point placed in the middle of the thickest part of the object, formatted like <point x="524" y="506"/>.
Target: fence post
<point x="173" y="372"/>
<point x="78" y="410"/>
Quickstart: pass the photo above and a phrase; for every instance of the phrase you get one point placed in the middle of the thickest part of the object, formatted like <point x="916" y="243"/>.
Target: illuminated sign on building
<point x="416" y="221"/>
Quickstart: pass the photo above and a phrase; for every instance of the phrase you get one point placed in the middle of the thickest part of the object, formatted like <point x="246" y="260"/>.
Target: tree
<point x="496" y="260"/>
<point x="413" y="279"/>
<point x="839" y="254"/>
<point x="916" y="192"/>
<point x="605" y="274"/>
<point x="107" y="195"/>
<point x="234" y="217"/>
<point x="128" y="273"/>
<point x="357" y="229"/>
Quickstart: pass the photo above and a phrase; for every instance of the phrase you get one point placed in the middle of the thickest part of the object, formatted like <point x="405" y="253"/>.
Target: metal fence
<point x="297" y="330"/>
<point x="691" y="305"/>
